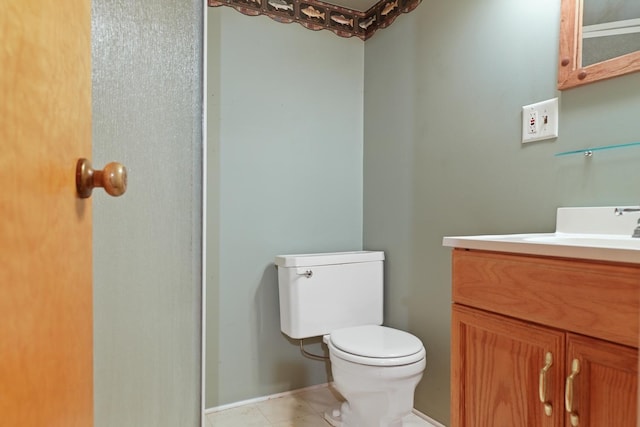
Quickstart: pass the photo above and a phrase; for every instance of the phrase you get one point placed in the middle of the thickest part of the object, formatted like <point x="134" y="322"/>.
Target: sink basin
<point x="594" y="240"/>
<point x="585" y="233"/>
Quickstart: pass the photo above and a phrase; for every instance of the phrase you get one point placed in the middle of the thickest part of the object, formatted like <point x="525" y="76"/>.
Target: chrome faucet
<point x="620" y="211"/>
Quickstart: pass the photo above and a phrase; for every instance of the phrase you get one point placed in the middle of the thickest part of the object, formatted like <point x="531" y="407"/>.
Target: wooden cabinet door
<point x="46" y="318"/>
<point x="605" y="389"/>
<point x="496" y="367"/>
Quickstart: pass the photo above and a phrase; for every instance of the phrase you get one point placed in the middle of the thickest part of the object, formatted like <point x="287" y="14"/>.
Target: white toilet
<point x="340" y="296"/>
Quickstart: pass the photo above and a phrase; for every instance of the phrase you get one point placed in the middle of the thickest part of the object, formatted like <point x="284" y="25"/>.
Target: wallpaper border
<point x="317" y="15"/>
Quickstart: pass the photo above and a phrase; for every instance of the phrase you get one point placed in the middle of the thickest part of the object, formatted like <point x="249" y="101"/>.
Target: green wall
<point x="284" y="176"/>
<point x="444" y="87"/>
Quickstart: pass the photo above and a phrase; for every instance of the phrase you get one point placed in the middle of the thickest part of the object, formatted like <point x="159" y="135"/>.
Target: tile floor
<point x="303" y="409"/>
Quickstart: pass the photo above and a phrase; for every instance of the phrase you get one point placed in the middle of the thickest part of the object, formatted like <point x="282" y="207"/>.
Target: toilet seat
<point x="375" y="346"/>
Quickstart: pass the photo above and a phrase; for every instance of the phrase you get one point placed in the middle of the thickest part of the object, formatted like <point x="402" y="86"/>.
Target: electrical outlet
<point x="540" y="121"/>
<point x="532" y="123"/>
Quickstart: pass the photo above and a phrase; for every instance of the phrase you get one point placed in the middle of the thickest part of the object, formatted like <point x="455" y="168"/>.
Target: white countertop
<point x="583" y="233"/>
<point x="552" y="244"/>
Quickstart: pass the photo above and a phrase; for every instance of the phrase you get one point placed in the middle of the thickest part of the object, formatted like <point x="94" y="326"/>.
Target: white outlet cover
<point x="540" y="121"/>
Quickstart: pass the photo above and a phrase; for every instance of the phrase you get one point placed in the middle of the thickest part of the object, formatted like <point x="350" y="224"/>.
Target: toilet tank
<point x="323" y="292"/>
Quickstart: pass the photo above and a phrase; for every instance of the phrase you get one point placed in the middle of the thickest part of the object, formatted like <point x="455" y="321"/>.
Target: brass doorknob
<point x="113" y="178"/>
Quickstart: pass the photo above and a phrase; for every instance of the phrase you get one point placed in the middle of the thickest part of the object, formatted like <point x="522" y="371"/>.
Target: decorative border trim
<point x="317" y="15"/>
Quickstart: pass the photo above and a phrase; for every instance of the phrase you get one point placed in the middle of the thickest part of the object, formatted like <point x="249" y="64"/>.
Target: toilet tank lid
<point x="310" y="260"/>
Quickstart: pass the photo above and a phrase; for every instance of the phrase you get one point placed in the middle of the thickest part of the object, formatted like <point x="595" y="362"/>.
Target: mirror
<point x="599" y="39"/>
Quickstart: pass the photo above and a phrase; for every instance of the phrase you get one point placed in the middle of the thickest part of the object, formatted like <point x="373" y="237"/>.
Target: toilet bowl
<point x="376" y="369"/>
<point x="339" y="296"/>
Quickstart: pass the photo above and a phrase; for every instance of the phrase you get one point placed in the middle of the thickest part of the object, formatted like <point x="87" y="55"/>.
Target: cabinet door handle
<point x="542" y="384"/>
<point x="568" y="393"/>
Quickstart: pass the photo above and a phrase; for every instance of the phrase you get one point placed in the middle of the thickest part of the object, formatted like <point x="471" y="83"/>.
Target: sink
<point x="595" y="240"/>
<point x="594" y="233"/>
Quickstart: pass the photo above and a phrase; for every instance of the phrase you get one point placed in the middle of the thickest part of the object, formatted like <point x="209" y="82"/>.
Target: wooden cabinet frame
<point x="532" y="305"/>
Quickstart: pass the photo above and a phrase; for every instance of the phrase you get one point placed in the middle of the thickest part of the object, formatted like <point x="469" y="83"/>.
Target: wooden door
<point x="605" y="388"/>
<point x="46" y="375"/>
<point x="496" y="367"/>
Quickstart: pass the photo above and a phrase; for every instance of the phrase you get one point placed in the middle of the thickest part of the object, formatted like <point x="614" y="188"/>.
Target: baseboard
<point x="262" y="399"/>
<point x="428" y="419"/>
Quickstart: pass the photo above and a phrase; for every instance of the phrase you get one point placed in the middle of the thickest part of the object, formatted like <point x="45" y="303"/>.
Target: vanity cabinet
<point x="534" y="335"/>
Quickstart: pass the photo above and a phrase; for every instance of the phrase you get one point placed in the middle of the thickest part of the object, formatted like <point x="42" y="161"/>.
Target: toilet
<point x="339" y="296"/>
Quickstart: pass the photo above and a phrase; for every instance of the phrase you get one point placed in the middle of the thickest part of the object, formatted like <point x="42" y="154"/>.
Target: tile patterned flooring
<point x="302" y="409"/>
